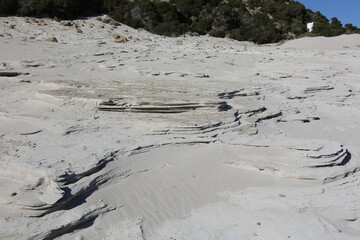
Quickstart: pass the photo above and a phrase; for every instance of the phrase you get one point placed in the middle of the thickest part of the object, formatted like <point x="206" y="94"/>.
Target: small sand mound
<point x="340" y="42"/>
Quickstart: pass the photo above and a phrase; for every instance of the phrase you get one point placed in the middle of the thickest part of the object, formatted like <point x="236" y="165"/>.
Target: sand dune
<point x="176" y="138"/>
<point x="329" y="43"/>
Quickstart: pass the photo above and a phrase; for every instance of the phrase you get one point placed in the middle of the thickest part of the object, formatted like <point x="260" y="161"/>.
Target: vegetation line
<point x="259" y="21"/>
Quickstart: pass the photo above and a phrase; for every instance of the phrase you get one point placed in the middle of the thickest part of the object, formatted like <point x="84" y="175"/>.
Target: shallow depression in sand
<point x="173" y="180"/>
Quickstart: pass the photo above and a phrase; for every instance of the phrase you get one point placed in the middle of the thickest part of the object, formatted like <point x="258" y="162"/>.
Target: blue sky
<point x="347" y="11"/>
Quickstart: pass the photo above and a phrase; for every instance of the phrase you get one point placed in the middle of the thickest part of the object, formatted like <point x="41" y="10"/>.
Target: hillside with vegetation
<point x="259" y="21"/>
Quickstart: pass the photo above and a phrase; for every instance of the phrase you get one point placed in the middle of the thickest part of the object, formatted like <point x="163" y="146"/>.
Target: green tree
<point x="8" y="7"/>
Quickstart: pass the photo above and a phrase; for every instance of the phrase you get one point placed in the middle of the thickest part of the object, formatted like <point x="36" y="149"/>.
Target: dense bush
<point x="8" y="7"/>
<point x="217" y="33"/>
<point x="260" y="21"/>
<point x="323" y="28"/>
<point x="349" y="28"/>
<point x="59" y="8"/>
<point x="171" y="29"/>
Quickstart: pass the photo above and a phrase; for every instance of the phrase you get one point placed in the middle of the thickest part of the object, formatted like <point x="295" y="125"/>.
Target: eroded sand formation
<point x="175" y="138"/>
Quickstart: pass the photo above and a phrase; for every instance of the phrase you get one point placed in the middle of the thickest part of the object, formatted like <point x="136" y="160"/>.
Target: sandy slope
<point x="176" y="138"/>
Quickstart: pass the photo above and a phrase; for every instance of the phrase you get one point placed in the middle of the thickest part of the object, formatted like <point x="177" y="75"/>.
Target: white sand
<point x="176" y="138"/>
<point x="333" y="43"/>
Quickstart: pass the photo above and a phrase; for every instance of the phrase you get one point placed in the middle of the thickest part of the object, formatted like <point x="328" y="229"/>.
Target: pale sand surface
<point x="176" y="138"/>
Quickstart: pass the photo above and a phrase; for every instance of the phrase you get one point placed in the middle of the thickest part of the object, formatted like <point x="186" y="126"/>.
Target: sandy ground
<point x="176" y="138"/>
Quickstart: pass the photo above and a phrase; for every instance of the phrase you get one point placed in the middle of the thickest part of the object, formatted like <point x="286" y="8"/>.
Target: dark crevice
<point x="345" y="161"/>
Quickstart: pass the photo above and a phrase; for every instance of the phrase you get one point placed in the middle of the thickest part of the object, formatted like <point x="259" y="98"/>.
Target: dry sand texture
<point x="175" y="138"/>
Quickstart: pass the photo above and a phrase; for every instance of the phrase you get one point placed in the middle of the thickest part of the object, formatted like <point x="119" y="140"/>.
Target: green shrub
<point x="260" y="21"/>
<point x="219" y="33"/>
<point x="8" y="7"/>
<point x="171" y="29"/>
<point x="323" y="28"/>
<point x="202" y="26"/>
<point x="60" y="8"/>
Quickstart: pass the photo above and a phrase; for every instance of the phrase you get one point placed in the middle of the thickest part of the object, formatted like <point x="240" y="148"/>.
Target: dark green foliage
<point x="201" y="26"/>
<point x="349" y="28"/>
<point x="188" y="8"/>
<point x="120" y="10"/>
<point x="59" y="8"/>
<point x="217" y="33"/>
<point x="8" y="7"/>
<point x="171" y="29"/>
<point x="336" y="27"/>
<point x="260" y="21"/>
<point x="261" y="30"/>
<point x="323" y="28"/>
